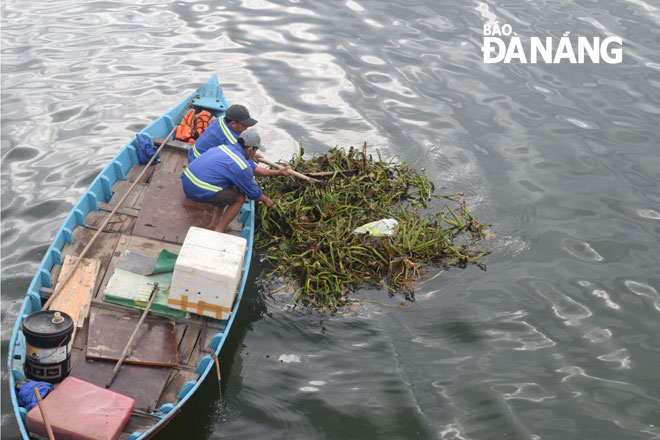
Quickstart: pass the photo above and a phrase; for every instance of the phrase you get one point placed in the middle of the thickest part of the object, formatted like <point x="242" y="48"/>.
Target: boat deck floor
<point x="149" y="210"/>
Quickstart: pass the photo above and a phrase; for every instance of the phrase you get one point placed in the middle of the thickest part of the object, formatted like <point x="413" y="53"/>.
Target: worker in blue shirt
<point x="224" y="130"/>
<point x="224" y="176"/>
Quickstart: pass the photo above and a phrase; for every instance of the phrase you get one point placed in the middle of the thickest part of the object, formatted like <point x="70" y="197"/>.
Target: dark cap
<point x="240" y="114"/>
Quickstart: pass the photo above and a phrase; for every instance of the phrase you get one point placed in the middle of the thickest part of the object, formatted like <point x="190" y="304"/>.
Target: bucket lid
<point x="44" y="323"/>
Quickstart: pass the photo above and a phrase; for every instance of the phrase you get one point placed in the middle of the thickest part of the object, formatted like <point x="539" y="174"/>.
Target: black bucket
<point x="48" y="338"/>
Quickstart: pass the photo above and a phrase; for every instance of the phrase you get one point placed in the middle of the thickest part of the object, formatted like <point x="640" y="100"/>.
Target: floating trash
<point x="379" y="228"/>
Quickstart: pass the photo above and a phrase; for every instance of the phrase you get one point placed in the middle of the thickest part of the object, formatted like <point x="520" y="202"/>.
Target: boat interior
<point x="166" y="357"/>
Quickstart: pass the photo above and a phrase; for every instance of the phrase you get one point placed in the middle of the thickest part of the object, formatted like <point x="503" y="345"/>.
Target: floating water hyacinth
<point x="308" y="234"/>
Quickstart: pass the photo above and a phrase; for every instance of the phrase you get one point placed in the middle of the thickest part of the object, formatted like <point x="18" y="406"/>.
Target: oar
<point x="49" y="429"/>
<point x="60" y="285"/>
<point x="154" y="292"/>
<point x="293" y="173"/>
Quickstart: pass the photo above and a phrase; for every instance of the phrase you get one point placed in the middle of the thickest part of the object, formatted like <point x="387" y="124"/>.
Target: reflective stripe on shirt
<point x="226" y="131"/>
<point x="195" y="152"/>
<point x="241" y="163"/>
<point x="200" y="183"/>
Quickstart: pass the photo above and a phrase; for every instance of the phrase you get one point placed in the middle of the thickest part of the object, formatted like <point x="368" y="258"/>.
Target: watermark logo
<point x="573" y="50"/>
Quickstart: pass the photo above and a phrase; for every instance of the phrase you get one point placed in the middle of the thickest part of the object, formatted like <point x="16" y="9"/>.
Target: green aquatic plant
<point x="307" y="234"/>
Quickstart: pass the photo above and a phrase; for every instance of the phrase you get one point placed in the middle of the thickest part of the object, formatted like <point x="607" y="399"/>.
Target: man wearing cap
<point x="224" y="175"/>
<point x="223" y="132"/>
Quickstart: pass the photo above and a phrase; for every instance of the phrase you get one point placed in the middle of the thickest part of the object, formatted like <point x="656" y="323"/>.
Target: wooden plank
<point x="141" y="382"/>
<point x="169" y="160"/>
<point x="109" y="333"/>
<point x="135" y="171"/>
<point x="118" y="223"/>
<point x="121" y="187"/>
<point x="139" y="201"/>
<point x="79" y="344"/>
<point x="102" y="250"/>
<point x="206" y="338"/>
<point x="180" y="331"/>
<point x="74" y="301"/>
<point x="134" y="199"/>
<point x="123" y="210"/>
<point x="174" y="145"/>
<point x="182" y="164"/>
<point x="187" y="344"/>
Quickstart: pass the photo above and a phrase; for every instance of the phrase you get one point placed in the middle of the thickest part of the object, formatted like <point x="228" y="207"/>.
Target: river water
<point x="558" y="339"/>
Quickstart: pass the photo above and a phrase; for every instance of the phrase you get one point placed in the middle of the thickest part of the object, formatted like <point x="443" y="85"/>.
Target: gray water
<point x="558" y="339"/>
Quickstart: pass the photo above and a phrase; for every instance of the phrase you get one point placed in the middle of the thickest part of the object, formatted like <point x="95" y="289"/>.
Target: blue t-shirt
<point x="217" y="133"/>
<point x="217" y="169"/>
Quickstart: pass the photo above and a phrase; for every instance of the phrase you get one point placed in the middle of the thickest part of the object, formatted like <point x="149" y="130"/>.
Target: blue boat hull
<point x="210" y="97"/>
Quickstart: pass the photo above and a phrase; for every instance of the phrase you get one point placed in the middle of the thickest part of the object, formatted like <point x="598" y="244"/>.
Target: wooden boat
<point x="154" y="216"/>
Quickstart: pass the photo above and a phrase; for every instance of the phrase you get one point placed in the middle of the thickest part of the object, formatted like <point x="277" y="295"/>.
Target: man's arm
<point x="266" y="172"/>
<point x="263" y="198"/>
<point x="244" y="180"/>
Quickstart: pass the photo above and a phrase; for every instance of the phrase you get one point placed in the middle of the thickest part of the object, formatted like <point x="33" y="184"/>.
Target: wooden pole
<point x="293" y="173"/>
<point x="49" y="429"/>
<point x="60" y="285"/>
<point x="131" y="340"/>
<point x="217" y="366"/>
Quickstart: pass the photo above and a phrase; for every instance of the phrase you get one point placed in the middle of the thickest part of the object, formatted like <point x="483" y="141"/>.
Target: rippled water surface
<point x="558" y="339"/>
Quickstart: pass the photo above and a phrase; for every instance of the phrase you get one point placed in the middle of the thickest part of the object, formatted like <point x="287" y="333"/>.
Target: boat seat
<point x="79" y="410"/>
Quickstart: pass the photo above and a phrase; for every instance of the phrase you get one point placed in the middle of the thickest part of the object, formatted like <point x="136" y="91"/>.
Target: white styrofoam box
<point x="207" y="273"/>
<point x="215" y="240"/>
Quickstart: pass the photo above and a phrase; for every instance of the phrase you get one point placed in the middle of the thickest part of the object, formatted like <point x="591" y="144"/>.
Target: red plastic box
<point x="79" y="410"/>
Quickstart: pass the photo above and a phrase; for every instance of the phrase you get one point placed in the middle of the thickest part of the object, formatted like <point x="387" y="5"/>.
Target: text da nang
<point x="502" y="45"/>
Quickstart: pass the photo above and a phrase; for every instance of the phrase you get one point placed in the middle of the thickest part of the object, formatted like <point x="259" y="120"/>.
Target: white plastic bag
<point x="379" y="228"/>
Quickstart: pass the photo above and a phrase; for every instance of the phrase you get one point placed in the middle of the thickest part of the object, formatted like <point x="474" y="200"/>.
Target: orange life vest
<point x="193" y="125"/>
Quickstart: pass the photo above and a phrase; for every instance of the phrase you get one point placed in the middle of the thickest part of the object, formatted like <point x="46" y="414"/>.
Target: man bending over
<point x="223" y="176"/>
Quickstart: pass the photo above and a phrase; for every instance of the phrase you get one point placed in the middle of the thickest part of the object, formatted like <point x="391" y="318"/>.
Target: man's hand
<point x="284" y="171"/>
<point x="265" y="200"/>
